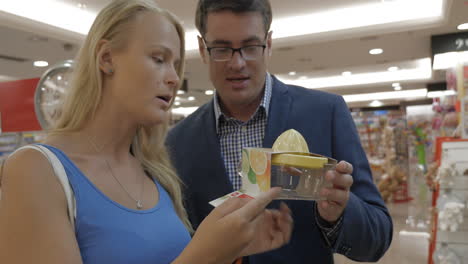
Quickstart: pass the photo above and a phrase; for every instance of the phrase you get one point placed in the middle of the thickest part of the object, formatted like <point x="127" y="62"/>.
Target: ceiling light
<point x="375" y="51"/>
<point x="463" y="26"/>
<point x="76" y="18"/>
<point x="59" y="77"/>
<point x="448" y="60"/>
<point x="376" y="103"/>
<point x="61" y="14"/>
<point x="393" y="68"/>
<point x="177" y="98"/>
<point x="41" y="64"/>
<point x="176" y="103"/>
<point x="422" y="72"/>
<point x="358" y="16"/>
<point x="303" y="78"/>
<point x="435" y="94"/>
<point x="397" y="88"/>
<point x="179" y="92"/>
<point x="209" y="92"/>
<point x="346" y="73"/>
<point x="407" y="94"/>
<point x="191" y="98"/>
<point x="185" y="111"/>
<point x="395" y="85"/>
<point x="292" y="73"/>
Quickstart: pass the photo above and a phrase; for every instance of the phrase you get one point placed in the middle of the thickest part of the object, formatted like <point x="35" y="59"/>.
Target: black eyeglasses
<point x="249" y="52"/>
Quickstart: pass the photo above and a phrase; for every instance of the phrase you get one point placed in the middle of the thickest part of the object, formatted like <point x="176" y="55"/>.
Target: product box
<point x="288" y="165"/>
<point x="300" y="175"/>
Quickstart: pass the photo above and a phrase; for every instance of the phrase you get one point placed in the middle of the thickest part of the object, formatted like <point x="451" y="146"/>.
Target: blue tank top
<point x="108" y="232"/>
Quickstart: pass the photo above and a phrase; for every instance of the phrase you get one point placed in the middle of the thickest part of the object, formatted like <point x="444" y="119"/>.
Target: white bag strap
<point x="61" y="174"/>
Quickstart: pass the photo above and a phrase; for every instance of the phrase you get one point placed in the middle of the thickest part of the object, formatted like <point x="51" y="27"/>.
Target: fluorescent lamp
<point x="417" y="234"/>
<point x="422" y="72"/>
<point x="209" y="92"/>
<point x="435" y="94"/>
<point x="185" y="111"/>
<point x="358" y="16"/>
<point x="70" y="16"/>
<point x="448" y="60"/>
<point x="4" y="78"/>
<point x="418" y="93"/>
<point x="346" y="73"/>
<point x="463" y="26"/>
<point x="56" y="13"/>
<point x="376" y="103"/>
<point x="41" y="64"/>
<point x="375" y="51"/>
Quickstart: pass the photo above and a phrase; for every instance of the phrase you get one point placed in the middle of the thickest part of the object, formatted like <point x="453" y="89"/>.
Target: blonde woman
<point x="129" y="203"/>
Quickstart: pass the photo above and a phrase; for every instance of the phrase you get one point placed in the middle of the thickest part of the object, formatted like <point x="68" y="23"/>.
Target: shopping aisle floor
<point x="405" y="249"/>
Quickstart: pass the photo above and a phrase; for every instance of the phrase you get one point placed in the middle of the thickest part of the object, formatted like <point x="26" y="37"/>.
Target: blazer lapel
<point x="280" y="107"/>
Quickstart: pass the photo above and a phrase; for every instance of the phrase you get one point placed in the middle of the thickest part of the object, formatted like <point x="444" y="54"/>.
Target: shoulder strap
<point x="61" y="174"/>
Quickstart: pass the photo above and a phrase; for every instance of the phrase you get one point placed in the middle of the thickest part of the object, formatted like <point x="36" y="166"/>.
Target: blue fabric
<point x="325" y="122"/>
<point x="108" y="232"/>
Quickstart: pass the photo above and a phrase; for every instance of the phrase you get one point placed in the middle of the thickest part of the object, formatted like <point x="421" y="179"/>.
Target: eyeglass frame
<point x="233" y="50"/>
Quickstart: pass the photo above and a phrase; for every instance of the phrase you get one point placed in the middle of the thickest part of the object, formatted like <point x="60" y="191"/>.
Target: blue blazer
<point x="325" y="122"/>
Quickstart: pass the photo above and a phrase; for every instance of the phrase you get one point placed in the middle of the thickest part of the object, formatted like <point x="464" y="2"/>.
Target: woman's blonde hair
<point x="84" y="96"/>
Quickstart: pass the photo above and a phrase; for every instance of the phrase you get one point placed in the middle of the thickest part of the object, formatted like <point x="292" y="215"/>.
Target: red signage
<point x="17" y="106"/>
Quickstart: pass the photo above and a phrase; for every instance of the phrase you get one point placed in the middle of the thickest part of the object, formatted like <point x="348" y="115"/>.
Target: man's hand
<point x="337" y="196"/>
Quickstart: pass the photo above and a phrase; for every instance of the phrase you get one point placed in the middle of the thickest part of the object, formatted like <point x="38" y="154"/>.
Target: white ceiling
<point x="311" y="55"/>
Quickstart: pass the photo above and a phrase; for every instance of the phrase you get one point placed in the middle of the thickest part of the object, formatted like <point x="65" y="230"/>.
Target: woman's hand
<point x="239" y="227"/>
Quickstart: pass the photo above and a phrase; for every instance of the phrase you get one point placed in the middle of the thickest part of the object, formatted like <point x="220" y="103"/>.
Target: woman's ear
<point x="105" y="57"/>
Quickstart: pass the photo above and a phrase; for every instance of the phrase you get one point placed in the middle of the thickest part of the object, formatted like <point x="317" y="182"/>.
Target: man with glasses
<point x="251" y="108"/>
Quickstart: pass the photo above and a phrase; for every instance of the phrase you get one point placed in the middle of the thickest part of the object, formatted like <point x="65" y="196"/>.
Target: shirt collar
<point x="265" y="103"/>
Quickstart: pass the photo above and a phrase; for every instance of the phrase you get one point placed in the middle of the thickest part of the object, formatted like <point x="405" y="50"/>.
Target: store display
<point x="450" y="211"/>
<point x="446" y="256"/>
<point x="50" y="93"/>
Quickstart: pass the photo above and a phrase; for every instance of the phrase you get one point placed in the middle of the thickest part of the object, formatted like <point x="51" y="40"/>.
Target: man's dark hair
<point x="205" y="7"/>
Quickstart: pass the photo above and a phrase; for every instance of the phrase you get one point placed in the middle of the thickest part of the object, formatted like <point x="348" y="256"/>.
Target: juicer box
<point x="301" y="175"/>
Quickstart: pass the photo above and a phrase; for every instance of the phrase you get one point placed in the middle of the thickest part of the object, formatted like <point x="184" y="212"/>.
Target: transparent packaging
<point x="300" y="183"/>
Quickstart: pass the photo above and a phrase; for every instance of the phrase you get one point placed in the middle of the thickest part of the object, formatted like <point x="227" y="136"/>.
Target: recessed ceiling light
<point x="463" y="26"/>
<point x="397" y="88"/>
<point x="209" y="92"/>
<point x="395" y="85"/>
<point x="376" y="103"/>
<point x="375" y="51"/>
<point x="393" y="68"/>
<point x="177" y="98"/>
<point x="179" y="92"/>
<point x="59" y="77"/>
<point x="346" y="73"/>
<point x="191" y="98"/>
<point x="41" y="64"/>
<point x="177" y="103"/>
<point x="292" y="73"/>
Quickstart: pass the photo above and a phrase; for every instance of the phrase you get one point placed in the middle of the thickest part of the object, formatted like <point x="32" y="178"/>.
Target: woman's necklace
<point x="139" y="203"/>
